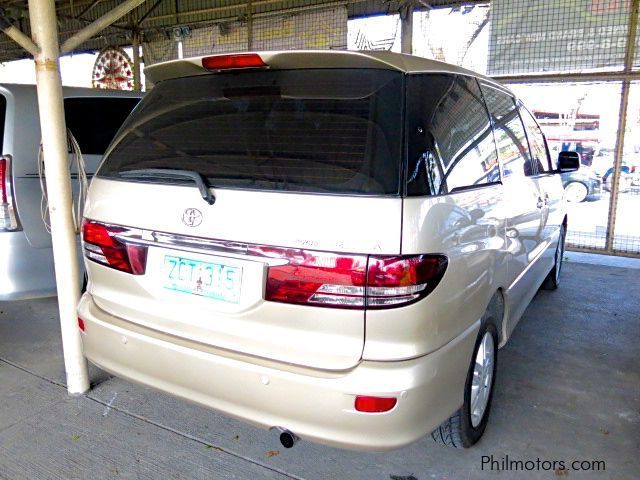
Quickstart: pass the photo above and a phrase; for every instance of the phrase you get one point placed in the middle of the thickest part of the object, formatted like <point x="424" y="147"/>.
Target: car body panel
<point x="474" y="248"/>
<point x="269" y="394"/>
<point x="30" y="259"/>
<point x="318" y="337"/>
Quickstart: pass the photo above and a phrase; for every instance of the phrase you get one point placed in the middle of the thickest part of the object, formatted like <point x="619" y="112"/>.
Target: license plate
<point x="212" y="280"/>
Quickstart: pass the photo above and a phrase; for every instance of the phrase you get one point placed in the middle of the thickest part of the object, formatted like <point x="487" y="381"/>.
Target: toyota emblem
<point x="192" y="217"/>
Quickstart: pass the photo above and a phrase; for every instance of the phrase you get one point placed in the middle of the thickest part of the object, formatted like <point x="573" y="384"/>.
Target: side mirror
<point x="568" y="162"/>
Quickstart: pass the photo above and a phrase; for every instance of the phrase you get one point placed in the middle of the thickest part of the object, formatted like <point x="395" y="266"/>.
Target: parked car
<point x="581" y="184"/>
<point x="629" y="170"/>
<point x="258" y="240"/>
<point x="93" y="116"/>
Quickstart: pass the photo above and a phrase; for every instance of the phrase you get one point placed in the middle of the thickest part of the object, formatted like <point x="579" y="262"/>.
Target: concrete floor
<point x="568" y="388"/>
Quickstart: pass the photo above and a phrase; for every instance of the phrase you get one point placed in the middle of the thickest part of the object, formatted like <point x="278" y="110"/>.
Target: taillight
<point x="318" y="279"/>
<point x="402" y="279"/>
<point x="81" y="324"/>
<point x="104" y="244"/>
<point x="350" y="281"/>
<point x="374" y="404"/>
<point x="226" y="62"/>
<point x="8" y="217"/>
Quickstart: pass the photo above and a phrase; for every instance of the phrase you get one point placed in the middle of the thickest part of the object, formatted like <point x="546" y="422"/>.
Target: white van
<point x="93" y="117"/>
<point x="330" y="243"/>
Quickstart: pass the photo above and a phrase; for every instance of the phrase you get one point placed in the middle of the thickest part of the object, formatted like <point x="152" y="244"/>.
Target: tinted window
<point x="513" y="148"/>
<point x="94" y="121"/>
<point x="3" y="113"/>
<point x="538" y="145"/>
<point x="451" y="144"/>
<point x="336" y="131"/>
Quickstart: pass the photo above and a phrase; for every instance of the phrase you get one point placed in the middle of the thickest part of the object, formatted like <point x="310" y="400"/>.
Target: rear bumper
<point x="316" y="405"/>
<point x="26" y="272"/>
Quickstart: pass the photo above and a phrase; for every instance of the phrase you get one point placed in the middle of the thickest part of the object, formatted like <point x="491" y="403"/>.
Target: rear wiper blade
<point x="168" y="173"/>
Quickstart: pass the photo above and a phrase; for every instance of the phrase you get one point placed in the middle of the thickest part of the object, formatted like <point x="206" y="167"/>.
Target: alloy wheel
<point x="482" y="379"/>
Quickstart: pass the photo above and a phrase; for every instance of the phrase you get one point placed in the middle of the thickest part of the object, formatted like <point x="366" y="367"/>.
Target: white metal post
<point x="42" y="15"/>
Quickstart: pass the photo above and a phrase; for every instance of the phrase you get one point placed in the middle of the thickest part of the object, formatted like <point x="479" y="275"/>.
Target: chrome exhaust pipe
<point x="287" y="438"/>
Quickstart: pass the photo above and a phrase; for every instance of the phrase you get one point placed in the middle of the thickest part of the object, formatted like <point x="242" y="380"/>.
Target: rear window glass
<point x="451" y="146"/>
<point x="94" y="121"/>
<point x="3" y="113"/>
<point x="334" y="131"/>
<point x="511" y="139"/>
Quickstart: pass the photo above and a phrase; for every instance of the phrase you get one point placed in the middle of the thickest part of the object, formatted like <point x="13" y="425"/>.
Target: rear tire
<point x="553" y="278"/>
<point x="576" y="192"/>
<point x="624" y="184"/>
<point x="465" y="427"/>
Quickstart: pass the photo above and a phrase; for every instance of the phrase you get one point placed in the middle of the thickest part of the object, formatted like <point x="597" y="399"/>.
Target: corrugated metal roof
<point x="158" y="17"/>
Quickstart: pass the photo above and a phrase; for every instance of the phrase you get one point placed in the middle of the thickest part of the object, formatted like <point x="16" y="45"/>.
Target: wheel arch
<point x="497" y="309"/>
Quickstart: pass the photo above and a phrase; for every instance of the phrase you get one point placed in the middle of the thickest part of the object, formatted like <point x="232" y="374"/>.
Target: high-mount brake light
<point x="104" y="244"/>
<point x="350" y="281"/>
<point x="226" y="62"/>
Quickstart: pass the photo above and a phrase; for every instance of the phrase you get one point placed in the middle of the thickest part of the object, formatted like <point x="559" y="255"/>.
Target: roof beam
<point x="100" y="24"/>
<point x="87" y="8"/>
<point x="148" y="12"/>
<point x="17" y="36"/>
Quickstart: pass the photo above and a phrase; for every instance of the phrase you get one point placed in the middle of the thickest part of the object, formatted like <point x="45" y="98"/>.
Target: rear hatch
<point x="227" y="198"/>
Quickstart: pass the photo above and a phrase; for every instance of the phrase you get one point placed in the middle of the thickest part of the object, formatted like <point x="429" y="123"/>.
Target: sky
<point x="76" y="70"/>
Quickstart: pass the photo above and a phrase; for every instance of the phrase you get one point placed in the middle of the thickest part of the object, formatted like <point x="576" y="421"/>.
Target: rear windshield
<point x="333" y="131"/>
<point x="94" y="121"/>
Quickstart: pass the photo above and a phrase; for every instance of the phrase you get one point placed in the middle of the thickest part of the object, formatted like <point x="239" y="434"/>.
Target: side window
<point x="3" y="113"/>
<point x="513" y="148"/>
<point x="94" y="121"/>
<point x="537" y="142"/>
<point x="451" y="145"/>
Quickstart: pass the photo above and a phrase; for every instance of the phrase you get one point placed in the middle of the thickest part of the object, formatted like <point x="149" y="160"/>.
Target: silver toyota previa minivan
<point x="333" y="244"/>
<point x="93" y="117"/>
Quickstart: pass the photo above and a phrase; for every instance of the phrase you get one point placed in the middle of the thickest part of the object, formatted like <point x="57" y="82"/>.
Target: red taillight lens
<point x="350" y="281"/>
<point x="102" y="245"/>
<point x="3" y="180"/>
<point x="318" y="278"/>
<point x="8" y="217"/>
<point x="225" y="62"/>
<point x="402" y="279"/>
<point x="374" y="404"/>
<point x="81" y="324"/>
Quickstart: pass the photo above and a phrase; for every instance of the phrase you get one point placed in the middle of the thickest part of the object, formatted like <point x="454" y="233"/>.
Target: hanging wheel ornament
<point x="113" y="70"/>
